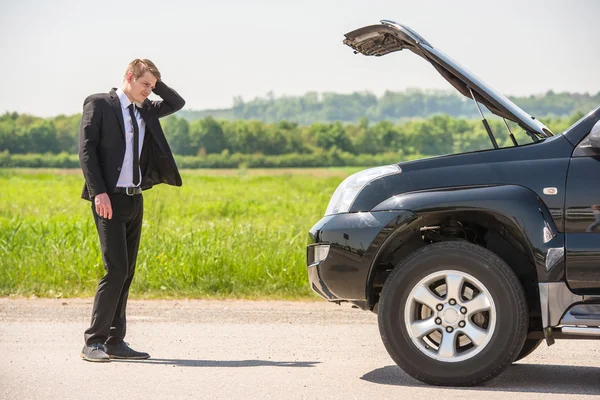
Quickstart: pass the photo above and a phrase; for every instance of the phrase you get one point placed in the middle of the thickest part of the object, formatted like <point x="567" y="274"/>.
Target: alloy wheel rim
<point x="450" y="316"/>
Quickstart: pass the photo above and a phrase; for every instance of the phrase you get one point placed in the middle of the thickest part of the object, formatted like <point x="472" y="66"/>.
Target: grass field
<point x="225" y="233"/>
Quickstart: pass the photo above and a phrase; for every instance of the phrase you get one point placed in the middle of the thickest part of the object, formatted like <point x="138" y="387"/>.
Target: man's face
<point x="141" y="87"/>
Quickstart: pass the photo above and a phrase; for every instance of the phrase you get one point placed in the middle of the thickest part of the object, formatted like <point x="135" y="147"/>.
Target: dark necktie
<point x="136" y="147"/>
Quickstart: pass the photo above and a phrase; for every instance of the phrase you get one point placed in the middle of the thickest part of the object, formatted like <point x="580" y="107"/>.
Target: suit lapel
<point x="116" y="105"/>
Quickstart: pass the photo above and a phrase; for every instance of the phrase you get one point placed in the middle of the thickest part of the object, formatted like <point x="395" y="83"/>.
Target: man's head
<point x="140" y="78"/>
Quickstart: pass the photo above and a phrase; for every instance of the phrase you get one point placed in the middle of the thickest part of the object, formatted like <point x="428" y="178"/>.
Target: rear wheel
<point x="453" y="314"/>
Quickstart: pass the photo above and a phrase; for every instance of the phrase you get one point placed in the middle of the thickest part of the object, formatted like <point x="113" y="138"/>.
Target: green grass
<point x="235" y="234"/>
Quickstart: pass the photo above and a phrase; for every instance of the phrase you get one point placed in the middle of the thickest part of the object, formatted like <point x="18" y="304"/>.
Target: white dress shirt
<point x="126" y="176"/>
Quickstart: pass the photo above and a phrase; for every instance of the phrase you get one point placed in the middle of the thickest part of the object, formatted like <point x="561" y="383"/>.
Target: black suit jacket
<point x="102" y="142"/>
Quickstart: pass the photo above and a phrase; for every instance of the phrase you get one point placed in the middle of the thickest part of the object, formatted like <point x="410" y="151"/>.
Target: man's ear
<point x="129" y="77"/>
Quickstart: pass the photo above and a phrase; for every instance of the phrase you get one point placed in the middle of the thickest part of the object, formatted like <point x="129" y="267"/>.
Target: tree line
<point x="439" y="134"/>
<point x="391" y="106"/>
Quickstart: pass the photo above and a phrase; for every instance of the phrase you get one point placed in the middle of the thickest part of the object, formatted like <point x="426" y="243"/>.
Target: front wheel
<point x="528" y="347"/>
<point x="453" y="314"/>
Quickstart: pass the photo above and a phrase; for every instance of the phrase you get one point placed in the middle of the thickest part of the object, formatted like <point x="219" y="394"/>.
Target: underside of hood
<point x="389" y="37"/>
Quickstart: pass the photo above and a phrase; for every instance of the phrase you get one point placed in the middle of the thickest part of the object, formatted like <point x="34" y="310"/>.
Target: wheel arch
<point x="509" y="220"/>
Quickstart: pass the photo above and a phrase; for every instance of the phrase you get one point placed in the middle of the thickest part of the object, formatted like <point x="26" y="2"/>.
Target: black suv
<point x="471" y="260"/>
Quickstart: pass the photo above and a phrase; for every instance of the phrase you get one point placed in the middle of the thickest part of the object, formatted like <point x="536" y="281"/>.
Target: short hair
<point x="140" y="66"/>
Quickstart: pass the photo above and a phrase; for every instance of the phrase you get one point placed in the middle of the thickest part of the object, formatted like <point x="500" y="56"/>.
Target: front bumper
<point x="354" y="240"/>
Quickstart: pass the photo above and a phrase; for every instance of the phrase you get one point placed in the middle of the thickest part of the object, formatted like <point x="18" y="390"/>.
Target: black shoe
<point x="122" y="350"/>
<point x="95" y="352"/>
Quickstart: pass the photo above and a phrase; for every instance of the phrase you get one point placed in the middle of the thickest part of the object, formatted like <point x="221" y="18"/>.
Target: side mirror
<point x="589" y="147"/>
<point x="594" y="136"/>
<point x="593" y="141"/>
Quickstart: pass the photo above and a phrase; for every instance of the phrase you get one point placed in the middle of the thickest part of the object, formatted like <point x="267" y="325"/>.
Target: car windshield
<point x="502" y="130"/>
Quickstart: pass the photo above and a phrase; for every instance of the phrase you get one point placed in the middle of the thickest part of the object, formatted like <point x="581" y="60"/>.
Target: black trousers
<point x="119" y="241"/>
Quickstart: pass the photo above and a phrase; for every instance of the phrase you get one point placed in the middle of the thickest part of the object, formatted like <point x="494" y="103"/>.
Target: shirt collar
<point x="125" y="102"/>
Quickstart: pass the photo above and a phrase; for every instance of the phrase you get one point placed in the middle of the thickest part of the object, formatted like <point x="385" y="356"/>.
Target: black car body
<point x="470" y="260"/>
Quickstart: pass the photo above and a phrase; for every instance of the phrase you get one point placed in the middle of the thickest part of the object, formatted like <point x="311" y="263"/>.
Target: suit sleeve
<point x="171" y="101"/>
<point x="89" y="137"/>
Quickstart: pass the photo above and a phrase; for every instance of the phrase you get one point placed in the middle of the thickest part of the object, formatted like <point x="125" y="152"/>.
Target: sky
<point x="55" y="55"/>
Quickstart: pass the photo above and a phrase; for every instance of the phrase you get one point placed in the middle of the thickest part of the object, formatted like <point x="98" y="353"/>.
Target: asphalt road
<point x="249" y="350"/>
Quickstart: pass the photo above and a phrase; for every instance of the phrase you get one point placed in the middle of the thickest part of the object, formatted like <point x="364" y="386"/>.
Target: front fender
<point x="518" y="209"/>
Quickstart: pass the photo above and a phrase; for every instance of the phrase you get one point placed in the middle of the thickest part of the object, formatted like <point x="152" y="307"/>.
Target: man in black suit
<point x="122" y="151"/>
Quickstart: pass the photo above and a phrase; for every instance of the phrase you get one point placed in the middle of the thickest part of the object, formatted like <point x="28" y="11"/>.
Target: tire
<point x="528" y="347"/>
<point x="489" y="319"/>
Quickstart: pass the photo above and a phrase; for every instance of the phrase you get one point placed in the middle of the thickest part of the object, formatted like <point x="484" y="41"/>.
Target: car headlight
<point x="346" y="192"/>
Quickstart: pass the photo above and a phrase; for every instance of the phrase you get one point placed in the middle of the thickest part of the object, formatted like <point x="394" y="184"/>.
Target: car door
<point x="582" y="209"/>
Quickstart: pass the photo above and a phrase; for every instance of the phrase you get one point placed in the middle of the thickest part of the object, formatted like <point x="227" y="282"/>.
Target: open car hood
<point x="389" y="36"/>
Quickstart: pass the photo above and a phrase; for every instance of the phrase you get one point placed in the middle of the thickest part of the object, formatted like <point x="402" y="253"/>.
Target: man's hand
<point x="103" y="207"/>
